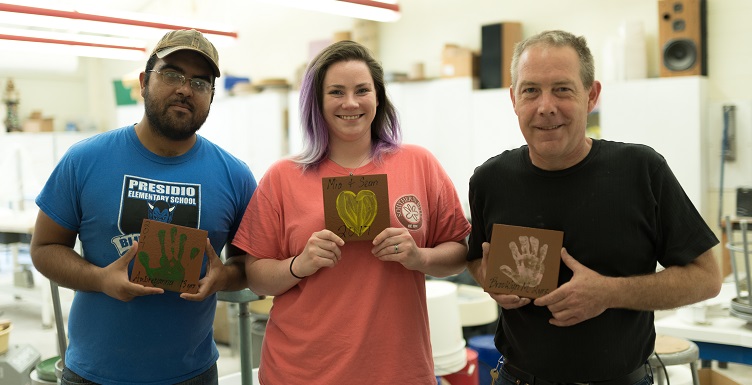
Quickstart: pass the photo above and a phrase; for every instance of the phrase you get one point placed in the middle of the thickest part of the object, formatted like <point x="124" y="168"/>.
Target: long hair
<point x="386" y="134"/>
<point x="558" y="38"/>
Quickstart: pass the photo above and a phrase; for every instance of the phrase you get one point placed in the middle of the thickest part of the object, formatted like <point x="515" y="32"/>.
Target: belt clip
<point x="500" y="363"/>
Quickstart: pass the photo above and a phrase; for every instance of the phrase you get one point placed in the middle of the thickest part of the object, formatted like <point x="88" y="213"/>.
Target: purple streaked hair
<point x="386" y="134"/>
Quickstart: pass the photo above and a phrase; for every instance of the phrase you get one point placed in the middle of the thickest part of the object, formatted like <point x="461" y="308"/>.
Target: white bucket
<point x="35" y="380"/>
<point x="451" y="363"/>
<point x="446" y="329"/>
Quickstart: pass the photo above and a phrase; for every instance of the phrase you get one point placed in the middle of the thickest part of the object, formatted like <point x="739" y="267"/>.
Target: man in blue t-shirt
<point x="101" y="191"/>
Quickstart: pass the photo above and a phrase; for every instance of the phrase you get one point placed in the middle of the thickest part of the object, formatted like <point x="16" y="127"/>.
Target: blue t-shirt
<point x="103" y="188"/>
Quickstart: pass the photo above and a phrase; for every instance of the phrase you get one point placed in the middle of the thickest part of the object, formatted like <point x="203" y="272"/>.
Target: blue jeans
<point x="507" y="379"/>
<point x="209" y="377"/>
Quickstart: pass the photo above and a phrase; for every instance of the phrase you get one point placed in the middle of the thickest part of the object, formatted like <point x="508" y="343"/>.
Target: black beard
<point x="163" y="125"/>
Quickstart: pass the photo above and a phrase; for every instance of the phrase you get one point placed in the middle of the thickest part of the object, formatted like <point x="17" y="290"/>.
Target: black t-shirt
<point x="621" y="210"/>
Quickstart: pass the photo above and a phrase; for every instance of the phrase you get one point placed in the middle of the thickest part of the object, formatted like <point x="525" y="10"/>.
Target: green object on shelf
<point x="122" y="94"/>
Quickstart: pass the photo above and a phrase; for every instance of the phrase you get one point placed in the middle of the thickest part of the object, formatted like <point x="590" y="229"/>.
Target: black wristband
<point x="293" y="274"/>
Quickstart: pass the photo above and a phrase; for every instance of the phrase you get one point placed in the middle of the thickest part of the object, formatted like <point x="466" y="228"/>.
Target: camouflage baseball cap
<point x="188" y="39"/>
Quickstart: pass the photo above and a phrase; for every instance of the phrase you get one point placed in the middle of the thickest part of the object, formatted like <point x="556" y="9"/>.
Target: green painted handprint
<point x="171" y="269"/>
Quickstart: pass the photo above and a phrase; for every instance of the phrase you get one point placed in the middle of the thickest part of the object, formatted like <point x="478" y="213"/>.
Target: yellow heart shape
<point x="357" y="211"/>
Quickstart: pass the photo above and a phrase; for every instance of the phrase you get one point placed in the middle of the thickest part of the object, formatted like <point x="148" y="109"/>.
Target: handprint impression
<point x="171" y="269"/>
<point x="529" y="262"/>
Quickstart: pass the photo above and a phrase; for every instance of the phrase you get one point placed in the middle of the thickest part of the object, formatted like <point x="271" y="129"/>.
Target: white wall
<point x="657" y="112"/>
<point x="59" y="94"/>
<point x="26" y="161"/>
<point x="427" y="24"/>
<point x="251" y="127"/>
<point x="274" y="43"/>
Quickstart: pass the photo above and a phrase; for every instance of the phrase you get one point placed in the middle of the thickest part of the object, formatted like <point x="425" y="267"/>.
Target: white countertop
<point x="18" y="221"/>
<point x="720" y="327"/>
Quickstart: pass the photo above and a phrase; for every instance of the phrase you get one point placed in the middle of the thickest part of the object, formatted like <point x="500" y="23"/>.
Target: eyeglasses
<point x="173" y="78"/>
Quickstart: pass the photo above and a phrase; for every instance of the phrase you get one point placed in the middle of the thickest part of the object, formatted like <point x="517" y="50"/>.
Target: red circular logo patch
<point x="408" y="211"/>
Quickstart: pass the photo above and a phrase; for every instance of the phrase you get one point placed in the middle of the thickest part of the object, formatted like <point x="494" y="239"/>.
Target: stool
<point x="674" y="351"/>
<point x="259" y="316"/>
<point x="243" y="298"/>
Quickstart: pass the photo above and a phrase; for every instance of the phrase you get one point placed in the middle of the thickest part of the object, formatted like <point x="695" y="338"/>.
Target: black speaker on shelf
<point x="744" y="202"/>
<point x="497" y="47"/>
<point x="682" y="37"/>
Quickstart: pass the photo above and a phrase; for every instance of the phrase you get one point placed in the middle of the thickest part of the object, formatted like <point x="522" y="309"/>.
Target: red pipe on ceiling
<point x="67" y="42"/>
<point x="4" y="7"/>
<point x="375" y="4"/>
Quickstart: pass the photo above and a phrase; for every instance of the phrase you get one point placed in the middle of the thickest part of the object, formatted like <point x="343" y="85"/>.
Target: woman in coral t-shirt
<point x="350" y="304"/>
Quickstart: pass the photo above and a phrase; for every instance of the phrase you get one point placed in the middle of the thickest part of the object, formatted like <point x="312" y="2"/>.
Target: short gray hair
<point x="557" y="38"/>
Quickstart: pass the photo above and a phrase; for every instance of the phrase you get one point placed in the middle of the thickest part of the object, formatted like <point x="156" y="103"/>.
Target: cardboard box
<point x="366" y="32"/>
<point x="709" y="376"/>
<point x="38" y="125"/>
<point x="341" y="35"/>
<point x="458" y="62"/>
<point x="222" y="324"/>
<point x="5" y="328"/>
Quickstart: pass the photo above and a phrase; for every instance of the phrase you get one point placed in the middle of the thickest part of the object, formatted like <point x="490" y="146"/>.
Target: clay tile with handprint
<point x="523" y="261"/>
<point x="169" y="256"/>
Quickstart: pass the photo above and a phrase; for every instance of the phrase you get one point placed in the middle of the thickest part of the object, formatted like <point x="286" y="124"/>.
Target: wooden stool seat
<point x="674" y="351"/>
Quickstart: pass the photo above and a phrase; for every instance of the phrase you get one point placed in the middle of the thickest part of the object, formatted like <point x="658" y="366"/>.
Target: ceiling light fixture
<point x="92" y="33"/>
<point x="103" y="18"/>
<point x="69" y="43"/>
<point x="384" y="10"/>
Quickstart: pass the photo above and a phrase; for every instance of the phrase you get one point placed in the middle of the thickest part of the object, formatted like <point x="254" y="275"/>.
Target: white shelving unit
<point x="13" y="224"/>
<point x="464" y="127"/>
<point x="252" y="127"/>
<point x="27" y="159"/>
<point x="669" y="115"/>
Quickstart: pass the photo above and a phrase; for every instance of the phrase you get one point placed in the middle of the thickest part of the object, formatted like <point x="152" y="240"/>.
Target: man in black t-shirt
<point x="622" y="212"/>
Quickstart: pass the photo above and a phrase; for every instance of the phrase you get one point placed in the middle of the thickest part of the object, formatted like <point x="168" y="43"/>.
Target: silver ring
<point x="396" y="248"/>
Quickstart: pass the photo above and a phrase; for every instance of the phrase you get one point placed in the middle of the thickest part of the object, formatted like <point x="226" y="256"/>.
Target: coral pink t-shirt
<point x="364" y="320"/>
